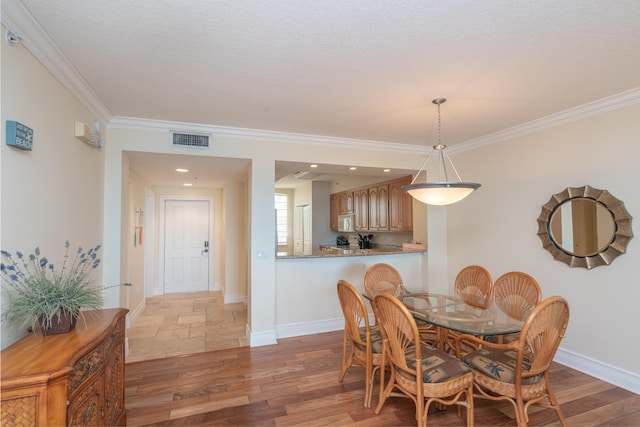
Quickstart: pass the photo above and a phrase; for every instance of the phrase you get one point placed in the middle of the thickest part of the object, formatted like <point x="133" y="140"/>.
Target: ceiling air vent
<point x="305" y="175"/>
<point x="190" y="140"/>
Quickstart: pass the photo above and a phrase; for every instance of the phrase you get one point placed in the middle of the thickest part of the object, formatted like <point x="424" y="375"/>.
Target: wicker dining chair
<point x="473" y="285"/>
<point x="518" y="372"/>
<point x="422" y="373"/>
<point x="516" y="293"/>
<point x="364" y="342"/>
<point x="383" y="277"/>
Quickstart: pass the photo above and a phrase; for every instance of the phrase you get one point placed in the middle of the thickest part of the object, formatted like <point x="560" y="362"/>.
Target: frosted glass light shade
<point x="440" y="193"/>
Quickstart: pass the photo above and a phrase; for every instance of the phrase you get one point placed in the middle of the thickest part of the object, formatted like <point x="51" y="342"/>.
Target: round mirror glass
<point x="582" y="227"/>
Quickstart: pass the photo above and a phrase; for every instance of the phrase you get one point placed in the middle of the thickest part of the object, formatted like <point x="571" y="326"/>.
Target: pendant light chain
<point x="440" y="147"/>
<point x="439" y="126"/>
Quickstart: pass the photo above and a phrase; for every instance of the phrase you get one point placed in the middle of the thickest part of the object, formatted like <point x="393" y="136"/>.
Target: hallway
<point x="179" y="324"/>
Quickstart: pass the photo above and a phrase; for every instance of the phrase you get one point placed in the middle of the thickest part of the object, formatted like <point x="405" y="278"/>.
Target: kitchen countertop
<point x="348" y="251"/>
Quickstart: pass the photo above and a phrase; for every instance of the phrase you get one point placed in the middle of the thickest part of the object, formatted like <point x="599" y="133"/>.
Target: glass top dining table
<point x="449" y="312"/>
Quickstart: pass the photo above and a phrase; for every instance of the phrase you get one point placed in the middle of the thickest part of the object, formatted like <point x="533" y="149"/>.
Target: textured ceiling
<point x="345" y="68"/>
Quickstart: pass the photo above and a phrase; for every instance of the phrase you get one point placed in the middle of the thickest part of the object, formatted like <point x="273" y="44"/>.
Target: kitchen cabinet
<point x="346" y="202"/>
<point x="400" y="206"/>
<point x="361" y="209"/>
<point x="378" y="208"/>
<point x="334" y="207"/>
<point x="75" y="378"/>
<point x="340" y="204"/>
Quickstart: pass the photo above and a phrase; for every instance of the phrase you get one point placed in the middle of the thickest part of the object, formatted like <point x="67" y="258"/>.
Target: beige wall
<point x="496" y="227"/>
<point x="53" y="193"/>
<point x="233" y="247"/>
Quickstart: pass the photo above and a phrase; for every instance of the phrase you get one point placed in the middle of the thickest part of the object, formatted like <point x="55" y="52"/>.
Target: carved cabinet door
<point x="86" y="408"/>
<point x="114" y="399"/>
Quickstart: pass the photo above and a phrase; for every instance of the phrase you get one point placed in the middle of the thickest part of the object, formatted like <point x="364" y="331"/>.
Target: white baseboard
<point x="258" y="339"/>
<point x="318" y="327"/>
<point x="603" y="371"/>
<point x="308" y="328"/>
<point x="129" y="320"/>
<point x="234" y="298"/>
<point x="133" y="314"/>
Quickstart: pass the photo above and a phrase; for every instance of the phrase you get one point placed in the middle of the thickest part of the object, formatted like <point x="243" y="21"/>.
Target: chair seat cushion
<point x="437" y="366"/>
<point x="376" y="339"/>
<point x="505" y="338"/>
<point x="498" y="364"/>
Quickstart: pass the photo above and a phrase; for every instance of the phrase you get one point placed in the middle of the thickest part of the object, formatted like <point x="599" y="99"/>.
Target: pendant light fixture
<point x="441" y="192"/>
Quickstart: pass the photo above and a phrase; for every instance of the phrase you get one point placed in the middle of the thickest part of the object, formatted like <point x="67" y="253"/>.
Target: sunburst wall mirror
<point x="584" y="227"/>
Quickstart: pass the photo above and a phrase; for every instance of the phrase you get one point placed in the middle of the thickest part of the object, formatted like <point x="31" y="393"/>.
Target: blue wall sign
<point x="19" y="135"/>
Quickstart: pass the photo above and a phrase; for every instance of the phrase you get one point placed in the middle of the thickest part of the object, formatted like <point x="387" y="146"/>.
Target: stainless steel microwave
<point x="345" y="223"/>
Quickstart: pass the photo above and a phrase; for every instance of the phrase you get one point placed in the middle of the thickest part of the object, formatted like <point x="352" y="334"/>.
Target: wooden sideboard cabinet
<point x="70" y="379"/>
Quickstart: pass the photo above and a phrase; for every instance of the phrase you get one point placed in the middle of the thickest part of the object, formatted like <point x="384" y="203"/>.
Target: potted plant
<point x="40" y="293"/>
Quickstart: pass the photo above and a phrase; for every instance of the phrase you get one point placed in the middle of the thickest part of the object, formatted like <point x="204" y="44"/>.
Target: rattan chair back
<point x="541" y="335"/>
<point x="516" y="294"/>
<point x="404" y="354"/>
<point x="399" y="330"/>
<point x="382" y="277"/>
<point x="358" y="337"/>
<point x="473" y="285"/>
<point x="518" y="372"/>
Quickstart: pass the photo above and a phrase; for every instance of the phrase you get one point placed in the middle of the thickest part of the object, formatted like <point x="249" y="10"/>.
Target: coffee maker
<point x="342" y="241"/>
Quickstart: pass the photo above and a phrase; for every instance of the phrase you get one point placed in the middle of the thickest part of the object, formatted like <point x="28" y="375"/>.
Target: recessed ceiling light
<point x="352" y="168"/>
<point x="313" y="166"/>
<point x="187" y="184"/>
<point x="182" y="170"/>
<point x="386" y="170"/>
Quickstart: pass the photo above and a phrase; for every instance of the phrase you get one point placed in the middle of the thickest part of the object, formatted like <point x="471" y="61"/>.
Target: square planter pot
<point x="60" y="323"/>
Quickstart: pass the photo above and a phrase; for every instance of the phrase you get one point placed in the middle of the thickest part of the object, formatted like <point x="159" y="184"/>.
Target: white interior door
<point x="186" y="246"/>
<point x="297" y="230"/>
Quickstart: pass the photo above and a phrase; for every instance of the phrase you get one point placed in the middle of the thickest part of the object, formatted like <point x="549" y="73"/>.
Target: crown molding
<point x="17" y="18"/>
<point x="600" y="106"/>
<point x="139" y="124"/>
<point x="580" y="112"/>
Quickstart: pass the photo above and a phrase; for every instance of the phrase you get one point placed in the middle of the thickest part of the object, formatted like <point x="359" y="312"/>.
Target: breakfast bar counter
<point x="334" y="251"/>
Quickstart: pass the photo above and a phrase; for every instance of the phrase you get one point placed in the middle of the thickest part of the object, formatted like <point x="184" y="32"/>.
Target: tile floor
<point x="178" y="324"/>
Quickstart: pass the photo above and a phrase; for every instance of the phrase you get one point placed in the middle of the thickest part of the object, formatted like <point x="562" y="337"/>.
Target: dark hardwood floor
<point x="296" y="383"/>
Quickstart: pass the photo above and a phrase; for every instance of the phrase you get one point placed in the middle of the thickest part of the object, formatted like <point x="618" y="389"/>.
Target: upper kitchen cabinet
<point x="340" y="204"/>
<point x="400" y="206"/>
<point x="361" y="209"/>
<point x="379" y="208"/>
<point x="346" y="202"/>
<point x="334" y="207"/>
